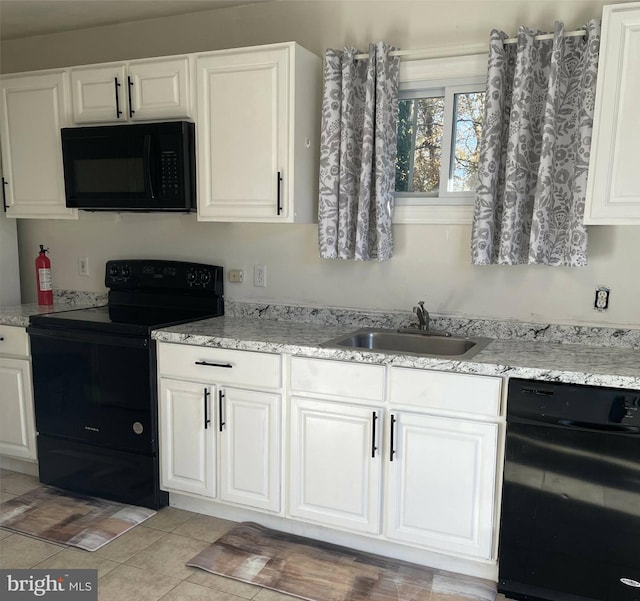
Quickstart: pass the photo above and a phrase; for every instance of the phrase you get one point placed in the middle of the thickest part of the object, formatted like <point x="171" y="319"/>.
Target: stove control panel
<point x="165" y="276"/>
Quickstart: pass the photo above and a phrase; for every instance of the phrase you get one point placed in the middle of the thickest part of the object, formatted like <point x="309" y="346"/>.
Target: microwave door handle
<point x="147" y="164"/>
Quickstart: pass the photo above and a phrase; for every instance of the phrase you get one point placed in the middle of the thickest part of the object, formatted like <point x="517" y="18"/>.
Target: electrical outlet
<point x="260" y="275"/>
<point x="236" y="275"/>
<point x="601" y="301"/>
<point x="83" y="266"/>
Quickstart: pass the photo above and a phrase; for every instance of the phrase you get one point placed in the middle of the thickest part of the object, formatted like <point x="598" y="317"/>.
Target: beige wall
<point x="430" y="262"/>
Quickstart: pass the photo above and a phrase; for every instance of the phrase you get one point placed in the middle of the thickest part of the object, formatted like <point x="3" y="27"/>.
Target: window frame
<point x="467" y="73"/>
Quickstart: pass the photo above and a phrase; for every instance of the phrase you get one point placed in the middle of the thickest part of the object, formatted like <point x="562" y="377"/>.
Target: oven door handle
<point x="90" y="337"/>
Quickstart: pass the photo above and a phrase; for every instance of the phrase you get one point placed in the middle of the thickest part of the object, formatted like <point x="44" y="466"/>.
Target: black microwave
<point x="140" y="167"/>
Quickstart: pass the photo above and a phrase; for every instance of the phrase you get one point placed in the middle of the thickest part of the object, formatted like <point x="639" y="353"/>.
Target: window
<point x="440" y="111"/>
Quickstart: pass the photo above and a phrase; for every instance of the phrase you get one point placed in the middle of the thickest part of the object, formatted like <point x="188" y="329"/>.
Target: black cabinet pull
<point x="207" y="364"/>
<point x="279" y="185"/>
<point x="118" y="111"/>
<point x="130" y="84"/>
<point x="4" y="194"/>
<point x="374" y="448"/>
<point x="207" y="421"/>
<point x="1" y="338"/>
<point x="220" y="401"/>
<point x="392" y="450"/>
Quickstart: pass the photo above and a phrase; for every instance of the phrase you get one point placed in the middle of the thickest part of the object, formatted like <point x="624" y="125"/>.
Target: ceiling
<point x="22" y="18"/>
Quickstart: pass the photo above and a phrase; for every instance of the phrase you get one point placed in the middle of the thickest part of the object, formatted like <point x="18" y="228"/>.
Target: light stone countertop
<point x="572" y="363"/>
<point x="517" y="356"/>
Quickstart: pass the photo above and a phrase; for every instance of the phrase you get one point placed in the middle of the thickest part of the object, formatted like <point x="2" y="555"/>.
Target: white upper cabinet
<point x="258" y="121"/>
<point x="613" y="189"/>
<point x="34" y="109"/>
<point x="147" y="89"/>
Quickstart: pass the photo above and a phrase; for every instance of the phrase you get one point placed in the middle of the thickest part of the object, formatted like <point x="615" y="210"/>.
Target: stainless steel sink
<point x="409" y="343"/>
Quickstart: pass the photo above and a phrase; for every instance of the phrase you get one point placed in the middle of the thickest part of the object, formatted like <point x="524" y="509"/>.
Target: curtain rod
<point x="452" y="51"/>
<point x="549" y="36"/>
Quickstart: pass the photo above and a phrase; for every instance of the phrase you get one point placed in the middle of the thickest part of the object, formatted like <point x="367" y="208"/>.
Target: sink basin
<point x="409" y="343"/>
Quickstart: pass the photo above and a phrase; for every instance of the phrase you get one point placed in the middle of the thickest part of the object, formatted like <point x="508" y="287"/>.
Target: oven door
<point x="94" y="387"/>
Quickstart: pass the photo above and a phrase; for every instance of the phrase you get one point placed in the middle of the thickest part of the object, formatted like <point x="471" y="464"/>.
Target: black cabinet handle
<point x="118" y="111"/>
<point x="4" y="194"/>
<point x="220" y="401"/>
<point x="1" y="338"/>
<point x="130" y="84"/>
<point x="279" y="186"/>
<point x="207" y="364"/>
<point x="207" y="421"/>
<point x="374" y="448"/>
<point x="392" y="450"/>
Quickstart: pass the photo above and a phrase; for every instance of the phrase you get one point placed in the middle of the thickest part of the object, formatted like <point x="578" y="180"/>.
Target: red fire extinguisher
<point x="43" y="277"/>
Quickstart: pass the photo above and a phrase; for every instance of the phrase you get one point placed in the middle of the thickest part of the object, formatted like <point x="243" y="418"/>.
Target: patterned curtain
<point x="358" y="154"/>
<point x="534" y="155"/>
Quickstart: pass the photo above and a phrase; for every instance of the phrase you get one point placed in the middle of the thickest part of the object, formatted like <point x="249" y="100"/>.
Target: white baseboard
<point x="477" y="568"/>
<point x="19" y="465"/>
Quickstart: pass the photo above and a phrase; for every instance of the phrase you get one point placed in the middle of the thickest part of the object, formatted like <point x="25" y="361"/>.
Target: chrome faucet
<point x="423" y="316"/>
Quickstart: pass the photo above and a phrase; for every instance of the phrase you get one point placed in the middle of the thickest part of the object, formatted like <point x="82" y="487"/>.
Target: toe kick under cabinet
<point x="219" y="423"/>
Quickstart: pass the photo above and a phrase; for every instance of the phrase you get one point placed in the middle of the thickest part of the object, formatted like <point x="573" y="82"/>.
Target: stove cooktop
<point x="145" y="294"/>
<point x="120" y="319"/>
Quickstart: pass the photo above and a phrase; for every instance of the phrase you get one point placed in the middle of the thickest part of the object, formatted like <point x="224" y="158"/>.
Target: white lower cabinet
<point x="436" y="434"/>
<point x="17" y="424"/>
<point x="187" y="444"/>
<point x="218" y="438"/>
<point x="335" y="465"/>
<point x="249" y="433"/>
<point x="441" y="484"/>
<point x="403" y="455"/>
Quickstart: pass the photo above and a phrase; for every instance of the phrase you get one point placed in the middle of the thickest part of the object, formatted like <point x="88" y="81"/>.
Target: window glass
<point x="420" y="129"/>
<point x="440" y="112"/>
<point x="467" y="130"/>
<point x="439" y="132"/>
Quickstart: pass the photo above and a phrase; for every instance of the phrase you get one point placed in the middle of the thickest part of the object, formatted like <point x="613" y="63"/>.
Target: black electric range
<point x="94" y="376"/>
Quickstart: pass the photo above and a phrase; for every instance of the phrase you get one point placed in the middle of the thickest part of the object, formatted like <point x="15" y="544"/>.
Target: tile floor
<point x="145" y="564"/>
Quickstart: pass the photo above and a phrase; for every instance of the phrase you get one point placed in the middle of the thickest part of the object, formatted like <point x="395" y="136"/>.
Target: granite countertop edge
<point x="554" y="362"/>
<point x="522" y="358"/>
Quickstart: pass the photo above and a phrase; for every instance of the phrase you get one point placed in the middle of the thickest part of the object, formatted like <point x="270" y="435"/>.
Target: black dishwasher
<point x="570" y="523"/>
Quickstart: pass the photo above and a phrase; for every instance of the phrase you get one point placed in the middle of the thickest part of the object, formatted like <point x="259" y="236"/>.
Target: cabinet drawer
<point x="14" y="340"/>
<point x="338" y="378"/>
<point x="466" y="393"/>
<point x="219" y="366"/>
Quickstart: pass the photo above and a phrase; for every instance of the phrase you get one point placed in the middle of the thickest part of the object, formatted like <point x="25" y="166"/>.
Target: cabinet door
<point x="442" y="483"/>
<point x="613" y="189"/>
<point x="249" y="426"/>
<point x="33" y="112"/>
<point x="243" y="141"/>
<point x="158" y="89"/>
<point x="334" y="479"/>
<point x="17" y="429"/>
<point x="99" y="94"/>
<point x="187" y="445"/>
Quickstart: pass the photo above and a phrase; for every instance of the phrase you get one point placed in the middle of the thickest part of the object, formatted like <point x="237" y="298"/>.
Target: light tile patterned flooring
<point x="145" y="564"/>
